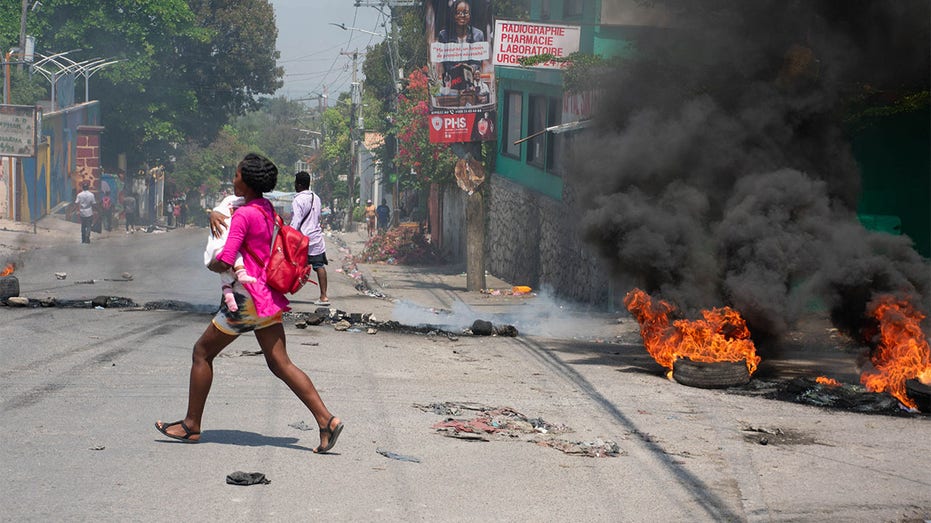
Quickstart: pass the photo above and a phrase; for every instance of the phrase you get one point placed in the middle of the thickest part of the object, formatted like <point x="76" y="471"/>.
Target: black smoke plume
<point x="720" y="171"/>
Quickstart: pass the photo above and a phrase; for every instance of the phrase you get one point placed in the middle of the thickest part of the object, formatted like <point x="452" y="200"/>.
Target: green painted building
<point x="894" y="152"/>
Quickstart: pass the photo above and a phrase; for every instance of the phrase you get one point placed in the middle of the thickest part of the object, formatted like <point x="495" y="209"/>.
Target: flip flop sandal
<point x="187" y="432"/>
<point x="334" y="435"/>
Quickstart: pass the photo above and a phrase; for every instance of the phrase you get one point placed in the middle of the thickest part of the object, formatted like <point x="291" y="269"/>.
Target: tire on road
<point x="920" y="394"/>
<point x="710" y="375"/>
<point x="9" y="287"/>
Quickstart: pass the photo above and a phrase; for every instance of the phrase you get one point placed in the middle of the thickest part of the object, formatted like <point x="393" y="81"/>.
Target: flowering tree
<point x="430" y="162"/>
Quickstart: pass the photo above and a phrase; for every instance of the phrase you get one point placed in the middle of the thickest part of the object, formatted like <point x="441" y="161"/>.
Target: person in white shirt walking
<point x="86" y="203"/>
<point x="305" y="217"/>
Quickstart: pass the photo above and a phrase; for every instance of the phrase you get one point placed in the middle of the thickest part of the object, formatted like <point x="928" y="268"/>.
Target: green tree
<point x="9" y="25"/>
<point x="185" y="69"/>
<point x="25" y="89"/>
<point x="430" y="162"/>
<point x="208" y="168"/>
<point x="142" y="98"/>
<point x="333" y="161"/>
<point x="279" y="128"/>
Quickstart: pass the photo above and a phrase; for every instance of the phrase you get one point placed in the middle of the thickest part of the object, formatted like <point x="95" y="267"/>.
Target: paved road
<point x="80" y="389"/>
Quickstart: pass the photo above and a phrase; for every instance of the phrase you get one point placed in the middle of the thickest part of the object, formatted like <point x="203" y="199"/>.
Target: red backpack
<point x="287" y="269"/>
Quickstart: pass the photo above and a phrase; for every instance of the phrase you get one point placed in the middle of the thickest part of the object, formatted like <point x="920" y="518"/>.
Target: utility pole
<point x="394" y="63"/>
<point x="355" y="98"/>
<point x="396" y="77"/>
<point x="22" y="33"/>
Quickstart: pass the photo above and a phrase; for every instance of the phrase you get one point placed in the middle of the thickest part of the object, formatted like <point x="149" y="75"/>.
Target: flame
<point x="8" y="270"/>
<point x="902" y="352"/>
<point x="830" y="382"/>
<point x="721" y="336"/>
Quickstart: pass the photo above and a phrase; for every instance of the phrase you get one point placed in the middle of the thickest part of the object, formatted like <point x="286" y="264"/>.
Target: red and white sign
<point x="461" y="127"/>
<point x="516" y="40"/>
<point x="451" y="128"/>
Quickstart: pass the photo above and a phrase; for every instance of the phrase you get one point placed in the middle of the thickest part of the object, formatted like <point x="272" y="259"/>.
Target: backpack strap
<point x="301" y="226"/>
<point x="276" y="223"/>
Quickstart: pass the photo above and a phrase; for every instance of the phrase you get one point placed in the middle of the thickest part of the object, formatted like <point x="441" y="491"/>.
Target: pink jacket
<point x="250" y="228"/>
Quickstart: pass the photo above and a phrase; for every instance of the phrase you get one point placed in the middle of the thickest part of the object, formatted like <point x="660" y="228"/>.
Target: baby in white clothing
<point x="215" y="245"/>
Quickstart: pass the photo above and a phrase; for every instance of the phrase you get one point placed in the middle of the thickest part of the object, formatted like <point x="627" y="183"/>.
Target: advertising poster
<point x="516" y="40"/>
<point x="462" y="96"/>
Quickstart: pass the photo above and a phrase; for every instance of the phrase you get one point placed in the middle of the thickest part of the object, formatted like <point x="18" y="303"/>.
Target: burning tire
<point x="710" y="375"/>
<point x="920" y="394"/>
<point x="9" y="287"/>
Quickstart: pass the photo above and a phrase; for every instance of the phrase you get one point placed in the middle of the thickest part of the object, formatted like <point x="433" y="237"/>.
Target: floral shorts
<point x="243" y="320"/>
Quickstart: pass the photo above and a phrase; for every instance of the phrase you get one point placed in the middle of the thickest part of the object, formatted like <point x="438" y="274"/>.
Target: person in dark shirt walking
<point x="384" y="216"/>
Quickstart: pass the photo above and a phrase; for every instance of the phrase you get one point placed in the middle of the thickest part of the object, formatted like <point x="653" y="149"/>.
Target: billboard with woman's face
<point x="462" y="97"/>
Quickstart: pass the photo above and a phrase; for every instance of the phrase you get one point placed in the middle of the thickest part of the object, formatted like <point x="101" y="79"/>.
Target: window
<point x="572" y="8"/>
<point x="543" y="150"/>
<point x="536" y="125"/>
<point x="553" y="141"/>
<point x="545" y="9"/>
<point x="513" y="114"/>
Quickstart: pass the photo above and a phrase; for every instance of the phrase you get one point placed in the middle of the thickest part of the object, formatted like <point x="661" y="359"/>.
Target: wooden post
<point x="475" y="242"/>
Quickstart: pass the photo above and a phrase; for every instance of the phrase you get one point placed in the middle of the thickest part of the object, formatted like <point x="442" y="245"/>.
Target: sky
<point x="310" y="47"/>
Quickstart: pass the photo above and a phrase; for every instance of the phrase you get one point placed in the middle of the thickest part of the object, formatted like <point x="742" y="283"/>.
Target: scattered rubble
<point x="517" y="290"/>
<point x="301" y="425"/>
<point x="400" y="246"/>
<point x="395" y="455"/>
<point x="853" y="398"/>
<point x="238" y="354"/>
<point x="776" y="436"/>
<point x="505" y="423"/>
<point x="486" y="328"/>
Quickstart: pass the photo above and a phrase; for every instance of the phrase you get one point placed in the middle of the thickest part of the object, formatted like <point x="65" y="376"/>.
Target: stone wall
<point x="534" y="240"/>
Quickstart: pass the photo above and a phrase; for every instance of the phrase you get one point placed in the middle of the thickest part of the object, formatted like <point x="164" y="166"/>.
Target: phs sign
<point x="516" y="40"/>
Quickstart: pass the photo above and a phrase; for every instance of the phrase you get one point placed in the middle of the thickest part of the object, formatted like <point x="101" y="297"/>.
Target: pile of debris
<point x="507" y="424"/>
<point x="840" y="396"/>
<point x="400" y="246"/>
<point x="366" y="322"/>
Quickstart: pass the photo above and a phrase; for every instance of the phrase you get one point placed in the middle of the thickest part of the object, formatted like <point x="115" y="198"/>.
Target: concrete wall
<point x="72" y="154"/>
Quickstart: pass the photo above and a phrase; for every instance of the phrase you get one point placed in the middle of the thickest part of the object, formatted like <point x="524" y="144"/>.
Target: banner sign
<point x="18" y="130"/>
<point x="516" y="40"/>
<point x="462" y="127"/>
<point x="462" y="83"/>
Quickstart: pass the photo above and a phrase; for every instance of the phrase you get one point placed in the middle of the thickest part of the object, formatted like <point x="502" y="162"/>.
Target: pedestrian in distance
<point x="106" y="206"/>
<point x="176" y="215"/>
<point x="86" y="203"/>
<point x="306" y="210"/>
<point x="384" y="215"/>
<point x="370" y="217"/>
<point x="183" y="213"/>
<point x="129" y="212"/>
<point x="260" y="312"/>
